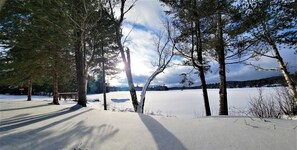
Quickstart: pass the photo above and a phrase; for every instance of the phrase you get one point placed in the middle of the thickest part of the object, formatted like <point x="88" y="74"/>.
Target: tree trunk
<point x="221" y="59"/>
<point x="80" y="69"/>
<point x="103" y="78"/>
<point x="56" y="85"/>
<point x="291" y="84"/>
<point x="29" y="98"/>
<point x="205" y="94"/>
<point x="144" y="89"/>
<point x="201" y="69"/>
<point x="131" y="84"/>
<point x="127" y="62"/>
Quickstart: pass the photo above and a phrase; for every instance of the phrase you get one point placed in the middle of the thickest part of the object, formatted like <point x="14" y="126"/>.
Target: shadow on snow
<point x="73" y="134"/>
<point x="162" y="136"/>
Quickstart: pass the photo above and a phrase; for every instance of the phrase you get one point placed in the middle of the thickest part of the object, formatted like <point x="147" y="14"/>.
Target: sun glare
<point x="121" y="66"/>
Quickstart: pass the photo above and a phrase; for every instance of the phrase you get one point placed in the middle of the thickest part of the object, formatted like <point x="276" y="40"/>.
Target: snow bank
<point x="38" y="125"/>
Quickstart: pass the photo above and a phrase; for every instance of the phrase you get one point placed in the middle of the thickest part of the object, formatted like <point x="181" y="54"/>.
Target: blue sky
<point x="146" y="20"/>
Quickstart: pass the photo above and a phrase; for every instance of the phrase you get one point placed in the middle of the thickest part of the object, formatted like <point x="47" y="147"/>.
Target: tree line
<point x="61" y="42"/>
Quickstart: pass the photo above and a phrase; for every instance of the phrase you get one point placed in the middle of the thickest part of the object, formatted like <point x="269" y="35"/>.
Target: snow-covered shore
<point x="38" y="125"/>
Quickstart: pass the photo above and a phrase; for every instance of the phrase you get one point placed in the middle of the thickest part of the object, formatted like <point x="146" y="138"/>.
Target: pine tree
<point x="192" y="21"/>
<point x="37" y="43"/>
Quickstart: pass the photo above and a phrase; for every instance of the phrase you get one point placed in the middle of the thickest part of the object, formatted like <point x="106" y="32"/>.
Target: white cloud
<point x="146" y="17"/>
<point x="146" y="13"/>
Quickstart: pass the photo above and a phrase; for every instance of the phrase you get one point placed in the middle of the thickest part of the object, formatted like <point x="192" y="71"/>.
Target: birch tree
<point x="165" y="47"/>
<point x="270" y="25"/>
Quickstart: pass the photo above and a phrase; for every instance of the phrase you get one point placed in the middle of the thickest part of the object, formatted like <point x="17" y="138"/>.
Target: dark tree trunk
<point x="134" y="98"/>
<point x="56" y="83"/>
<point x="103" y="77"/>
<point x="221" y="59"/>
<point x="201" y="69"/>
<point x="205" y="94"/>
<point x="80" y="68"/>
<point x="29" y="98"/>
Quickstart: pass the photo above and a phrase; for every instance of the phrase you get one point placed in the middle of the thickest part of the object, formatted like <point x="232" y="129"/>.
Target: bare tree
<point x="165" y="53"/>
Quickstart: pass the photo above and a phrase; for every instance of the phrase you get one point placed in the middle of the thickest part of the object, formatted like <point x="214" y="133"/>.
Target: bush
<point x="275" y="106"/>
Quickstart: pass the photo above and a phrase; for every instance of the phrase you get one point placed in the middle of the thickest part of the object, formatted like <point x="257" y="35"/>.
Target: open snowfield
<point x="176" y="103"/>
<point x="186" y="103"/>
<point x="38" y="125"/>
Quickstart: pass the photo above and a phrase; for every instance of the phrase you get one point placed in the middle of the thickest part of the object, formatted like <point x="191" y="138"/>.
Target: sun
<point x="120" y="66"/>
<point x="137" y="67"/>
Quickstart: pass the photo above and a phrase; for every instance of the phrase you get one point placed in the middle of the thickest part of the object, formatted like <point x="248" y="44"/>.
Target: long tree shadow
<point x="75" y="136"/>
<point x="164" y="139"/>
<point x="13" y="123"/>
<point x="20" y="108"/>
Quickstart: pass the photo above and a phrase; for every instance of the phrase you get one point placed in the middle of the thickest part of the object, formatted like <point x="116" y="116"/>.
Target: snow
<point x="186" y="103"/>
<point x="176" y="103"/>
<point x="38" y="125"/>
<point x="4" y="97"/>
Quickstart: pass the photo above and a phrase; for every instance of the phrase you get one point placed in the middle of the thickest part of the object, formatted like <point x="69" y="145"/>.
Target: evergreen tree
<point x="35" y="38"/>
<point x="192" y="19"/>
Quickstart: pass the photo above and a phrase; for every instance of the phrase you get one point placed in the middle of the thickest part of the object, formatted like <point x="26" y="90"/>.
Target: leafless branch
<point x="130" y="7"/>
<point x="258" y="68"/>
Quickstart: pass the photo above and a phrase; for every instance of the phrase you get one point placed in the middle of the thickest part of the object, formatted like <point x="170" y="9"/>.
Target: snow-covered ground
<point x="186" y="103"/>
<point x="38" y="125"/>
<point x="6" y="97"/>
<point x="175" y="103"/>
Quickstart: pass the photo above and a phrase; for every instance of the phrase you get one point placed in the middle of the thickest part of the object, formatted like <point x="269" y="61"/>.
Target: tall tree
<point x="191" y="20"/>
<point x="84" y="16"/>
<point x="124" y="52"/>
<point x="101" y="43"/>
<point x="221" y="59"/>
<point x="269" y="25"/>
<point x="36" y="39"/>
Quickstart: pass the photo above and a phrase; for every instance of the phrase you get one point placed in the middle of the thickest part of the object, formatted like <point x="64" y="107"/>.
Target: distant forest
<point x="264" y="82"/>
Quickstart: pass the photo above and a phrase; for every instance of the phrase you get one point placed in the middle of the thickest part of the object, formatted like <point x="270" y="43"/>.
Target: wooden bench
<point x="69" y="95"/>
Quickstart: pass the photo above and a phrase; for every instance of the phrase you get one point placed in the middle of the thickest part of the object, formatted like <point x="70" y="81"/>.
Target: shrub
<point x="274" y="106"/>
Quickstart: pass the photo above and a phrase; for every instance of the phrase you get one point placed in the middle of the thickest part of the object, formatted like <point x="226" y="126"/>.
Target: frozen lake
<point x="186" y="103"/>
<point x="182" y="104"/>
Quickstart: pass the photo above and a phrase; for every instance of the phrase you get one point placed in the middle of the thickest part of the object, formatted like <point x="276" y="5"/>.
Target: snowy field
<point x="175" y="103"/>
<point x="39" y="125"/>
<point x="186" y="103"/>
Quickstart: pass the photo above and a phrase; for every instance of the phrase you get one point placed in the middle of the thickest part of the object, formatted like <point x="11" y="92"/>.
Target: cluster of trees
<point x="47" y="41"/>
<point x="233" y="31"/>
<point x="57" y="42"/>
